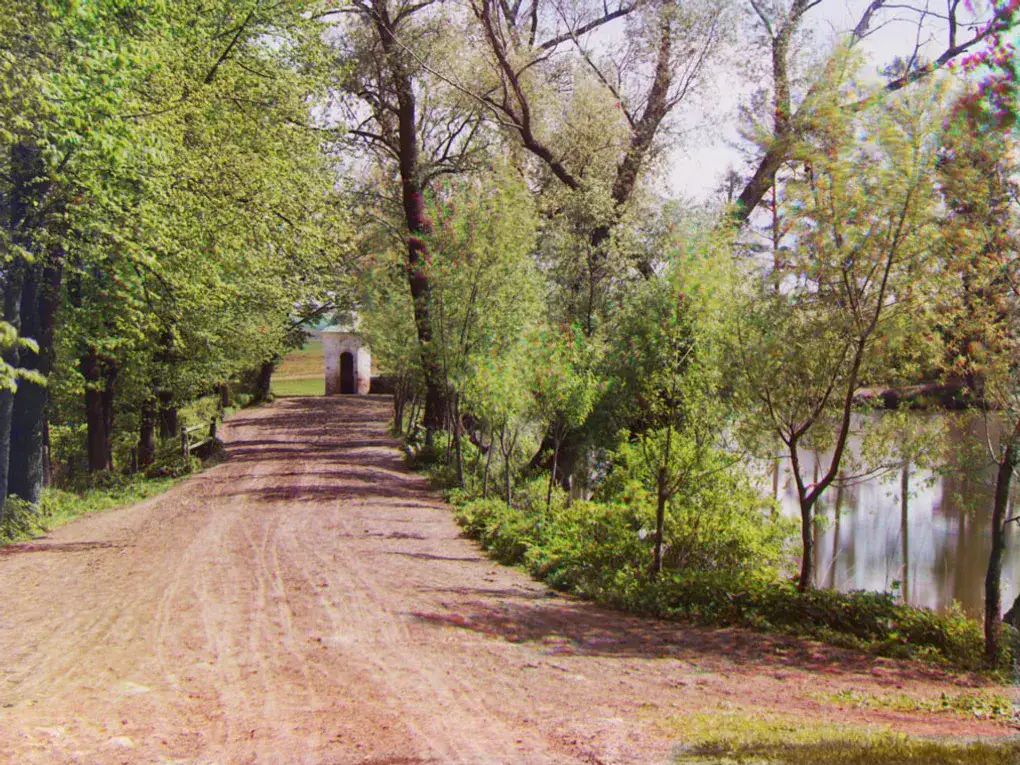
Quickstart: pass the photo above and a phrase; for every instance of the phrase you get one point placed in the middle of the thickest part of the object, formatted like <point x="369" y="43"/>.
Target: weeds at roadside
<point x="984" y="705"/>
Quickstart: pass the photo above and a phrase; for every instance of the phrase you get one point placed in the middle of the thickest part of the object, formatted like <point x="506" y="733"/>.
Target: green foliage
<point x="849" y="301"/>
<point x="183" y="180"/>
<point x="387" y="322"/>
<point x="484" y="287"/>
<point x="19" y="520"/>
<point x="563" y="382"/>
<point x="175" y="180"/>
<point x="10" y="375"/>
<point x="846" y="299"/>
<point x="661" y="366"/>
<point x="715" y="520"/>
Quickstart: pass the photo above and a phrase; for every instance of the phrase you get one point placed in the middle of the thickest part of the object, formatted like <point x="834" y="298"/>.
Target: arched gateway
<point x="348" y="362"/>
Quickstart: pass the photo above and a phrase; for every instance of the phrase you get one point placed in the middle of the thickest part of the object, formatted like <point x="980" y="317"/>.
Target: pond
<point x="922" y="533"/>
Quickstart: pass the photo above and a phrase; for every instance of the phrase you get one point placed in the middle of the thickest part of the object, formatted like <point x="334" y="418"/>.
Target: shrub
<point x="714" y="521"/>
<point x="506" y="532"/>
<point x="580" y="545"/>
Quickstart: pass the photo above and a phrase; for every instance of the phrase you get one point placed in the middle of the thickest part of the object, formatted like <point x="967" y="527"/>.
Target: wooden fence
<point x="191" y="439"/>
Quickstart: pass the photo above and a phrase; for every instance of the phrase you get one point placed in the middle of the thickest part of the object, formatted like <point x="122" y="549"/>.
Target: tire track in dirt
<point x="310" y="601"/>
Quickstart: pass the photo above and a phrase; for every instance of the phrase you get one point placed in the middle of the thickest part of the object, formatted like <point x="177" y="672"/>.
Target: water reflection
<point x="921" y="532"/>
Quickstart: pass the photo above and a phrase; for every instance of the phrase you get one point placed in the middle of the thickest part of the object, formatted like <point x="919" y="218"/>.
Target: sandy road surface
<point x="310" y="601"/>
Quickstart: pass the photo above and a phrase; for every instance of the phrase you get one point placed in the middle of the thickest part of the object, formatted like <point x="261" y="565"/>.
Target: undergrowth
<point x="592" y="549"/>
<point x="726" y="553"/>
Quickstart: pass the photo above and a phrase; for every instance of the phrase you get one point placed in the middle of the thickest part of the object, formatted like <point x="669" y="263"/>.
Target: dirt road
<point x="310" y="601"/>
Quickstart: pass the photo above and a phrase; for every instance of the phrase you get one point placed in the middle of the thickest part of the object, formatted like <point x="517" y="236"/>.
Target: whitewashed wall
<point x="336" y="343"/>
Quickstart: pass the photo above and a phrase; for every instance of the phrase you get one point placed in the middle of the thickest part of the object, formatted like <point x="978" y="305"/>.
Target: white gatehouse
<point x="348" y="362"/>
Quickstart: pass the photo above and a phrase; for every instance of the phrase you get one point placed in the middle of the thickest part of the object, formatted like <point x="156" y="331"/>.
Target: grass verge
<point x="302" y="386"/>
<point x="22" y="521"/>
<point x="984" y="705"/>
<point x="721" y="739"/>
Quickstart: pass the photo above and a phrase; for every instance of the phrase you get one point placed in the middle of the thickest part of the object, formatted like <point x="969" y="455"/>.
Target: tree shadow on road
<point x="32" y="547"/>
<point x="571" y="627"/>
<point x="432" y="556"/>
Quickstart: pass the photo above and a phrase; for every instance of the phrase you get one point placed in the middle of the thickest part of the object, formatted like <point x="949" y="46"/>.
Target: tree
<point x="563" y="387"/>
<point x="388" y="325"/>
<point x="485" y="293"/>
<point x="393" y="114"/>
<point x="981" y="319"/>
<point x="781" y="23"/>
<point x="627" y="91"/>
<point x="161" y="185"/>
<point x="667" y="367"/>
<point x="498" y="394"/>
<point x="850" y="304"/>
<point x="68" y="68"/>
<point x="10" y="377"/>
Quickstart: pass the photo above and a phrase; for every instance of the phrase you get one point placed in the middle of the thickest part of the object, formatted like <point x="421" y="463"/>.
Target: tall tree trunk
<point x="993" y="578"/>
<point x="47" y="455"/>
<point x="419" y="226"/>
<point x="412" y="418"/>
<point x="552" y="475"/>
<point x="662" y="495"/>
<point x="27" y="191"/>
<point x="6" y="412"/>
<point x="264" y="380"/>
<point x="224" y="390"/>
<point x="91" y="369"/>
<point x="163" y="382"/>
<point x="457" y="432"/>
<point x="26" y="474"/>
<point x="109" y="372"/>
<point x="569" y="451"/>
<point x="40" y="298"/>
<point x="147" y="433"/>
<point x="12" y="315"/>
<point x="399" y="401"/>
<point x="485" y="472"/>
<point x="507" y="483"/>
<point x="168" y="419"/>
<point x="448" y="427"/>
<point x="807" y="540"/>
<point x="904" y="528"/>
<point x="506" y="448"/>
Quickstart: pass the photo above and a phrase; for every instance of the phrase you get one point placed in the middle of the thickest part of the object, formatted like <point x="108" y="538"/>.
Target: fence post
<point x="184" y="443"/>
<point x="212" y="429"/>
